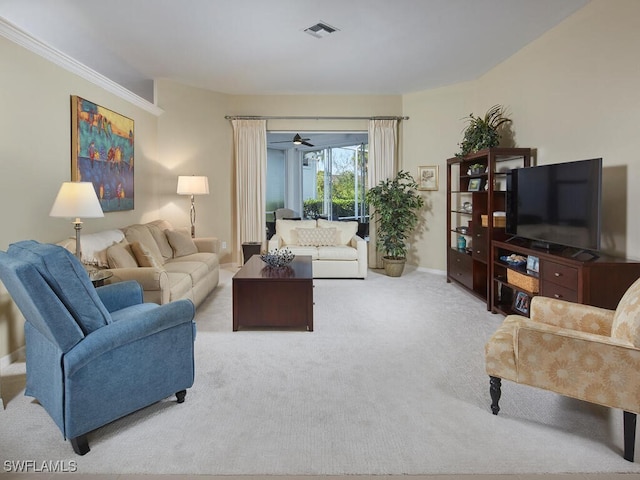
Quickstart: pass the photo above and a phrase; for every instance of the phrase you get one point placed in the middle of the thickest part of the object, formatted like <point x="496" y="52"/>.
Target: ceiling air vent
<point x="320" y="30"/>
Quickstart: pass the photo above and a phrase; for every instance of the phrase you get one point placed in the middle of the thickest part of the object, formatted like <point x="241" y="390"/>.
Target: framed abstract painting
<point x="102" y="152"/>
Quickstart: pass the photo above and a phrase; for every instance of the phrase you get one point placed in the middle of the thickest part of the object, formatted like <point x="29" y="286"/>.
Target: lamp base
<point x="192" y="217"/>
<point x="77" y="225"/>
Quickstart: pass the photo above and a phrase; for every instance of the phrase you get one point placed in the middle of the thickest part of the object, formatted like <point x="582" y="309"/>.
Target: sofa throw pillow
<point x="121" y="256"/>
<point x="157" y="229"/>
<point x="181" y="242"/>
<point x="287" y="229"/>
<point x="144" y="256"/>
<point x="142" y="234"/>
<point x="316" y="237"/>
<point x="346" y="230"/>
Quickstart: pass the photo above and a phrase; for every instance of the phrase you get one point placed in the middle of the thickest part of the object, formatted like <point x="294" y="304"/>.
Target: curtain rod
<point x="267" y="117"/>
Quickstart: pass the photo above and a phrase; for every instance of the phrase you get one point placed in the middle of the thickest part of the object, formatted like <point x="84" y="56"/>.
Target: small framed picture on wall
<point x="428" y="178"/>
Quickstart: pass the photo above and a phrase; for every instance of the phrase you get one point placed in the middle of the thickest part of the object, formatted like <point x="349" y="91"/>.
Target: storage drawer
<point x="553" y="290"/>
<point x="479" y="244"/>
<point x="559" y="274"/>
<point x="461" y="268"/>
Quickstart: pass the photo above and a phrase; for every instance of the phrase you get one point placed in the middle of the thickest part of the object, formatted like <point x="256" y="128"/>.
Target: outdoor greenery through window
<point x="334" y="183"/>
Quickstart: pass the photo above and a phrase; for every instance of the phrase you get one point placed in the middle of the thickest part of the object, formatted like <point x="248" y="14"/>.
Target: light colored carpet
<point x="391" y="381"/>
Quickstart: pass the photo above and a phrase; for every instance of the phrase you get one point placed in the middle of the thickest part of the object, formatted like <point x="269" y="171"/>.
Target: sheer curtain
<point x="383" y="153"/>
<point x="250" y="151"/>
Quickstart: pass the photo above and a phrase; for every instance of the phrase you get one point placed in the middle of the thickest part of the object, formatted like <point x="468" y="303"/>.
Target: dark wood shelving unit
<point x="471" y="267"/>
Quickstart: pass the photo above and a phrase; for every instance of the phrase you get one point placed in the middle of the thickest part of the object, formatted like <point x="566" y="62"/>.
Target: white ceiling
<point x="259" y="46"/>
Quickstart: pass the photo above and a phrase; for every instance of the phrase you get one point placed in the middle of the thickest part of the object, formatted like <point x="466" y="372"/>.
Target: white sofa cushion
<point x="287" y="229"/>
<point x="346" y="230"/>
<point x="300" y="250"/>
<point x="316" y="237"/>
<point x="338" y="252"/>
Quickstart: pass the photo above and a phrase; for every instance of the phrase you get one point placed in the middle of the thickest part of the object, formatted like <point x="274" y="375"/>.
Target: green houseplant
<point x="482" y="132"/>
<point x="395" y="205"/>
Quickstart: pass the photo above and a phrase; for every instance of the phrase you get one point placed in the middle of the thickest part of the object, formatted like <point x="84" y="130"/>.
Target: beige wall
<point x="35" y="144"/>
<point x="195" y="139"/>
<point x="572" y="94"/>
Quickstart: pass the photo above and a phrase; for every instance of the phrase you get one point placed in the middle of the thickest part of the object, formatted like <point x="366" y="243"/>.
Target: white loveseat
<point x="334" y="247"/>
<point x="166" y="261"/>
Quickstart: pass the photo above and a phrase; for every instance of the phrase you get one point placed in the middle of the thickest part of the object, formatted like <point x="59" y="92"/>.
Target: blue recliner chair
<point x="94" y="355"/>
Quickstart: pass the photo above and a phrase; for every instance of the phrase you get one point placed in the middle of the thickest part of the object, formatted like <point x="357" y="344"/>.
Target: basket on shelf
<point x="525" y="282"/>
<point x="497" y="221"/>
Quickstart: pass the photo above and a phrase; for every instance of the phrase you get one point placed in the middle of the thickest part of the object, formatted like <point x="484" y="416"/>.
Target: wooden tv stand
<point x="599" y="281"/>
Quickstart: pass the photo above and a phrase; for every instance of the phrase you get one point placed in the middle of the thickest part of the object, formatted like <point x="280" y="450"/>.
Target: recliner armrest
<point x="116" y="296"/>
<point x="142" y="323"/>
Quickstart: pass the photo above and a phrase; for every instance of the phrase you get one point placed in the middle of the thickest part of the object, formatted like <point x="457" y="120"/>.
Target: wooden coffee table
<point x="273" y="297"/>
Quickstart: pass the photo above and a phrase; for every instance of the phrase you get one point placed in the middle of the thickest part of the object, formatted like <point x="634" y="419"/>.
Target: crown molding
<point x="22" y="38"/>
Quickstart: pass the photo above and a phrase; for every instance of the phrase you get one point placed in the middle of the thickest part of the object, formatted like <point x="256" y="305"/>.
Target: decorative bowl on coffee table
<point x="278" y="257"/>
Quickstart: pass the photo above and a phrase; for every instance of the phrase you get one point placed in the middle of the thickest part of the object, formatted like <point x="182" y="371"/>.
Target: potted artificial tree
<point x="482" y="132"/>
<point x="395" y="206"/>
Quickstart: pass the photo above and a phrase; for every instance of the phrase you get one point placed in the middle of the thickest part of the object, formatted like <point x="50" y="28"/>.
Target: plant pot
<point x="393" y="267"/>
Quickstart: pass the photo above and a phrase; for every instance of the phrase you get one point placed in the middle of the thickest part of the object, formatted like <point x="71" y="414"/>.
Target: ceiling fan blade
<point x="297" y="140"/>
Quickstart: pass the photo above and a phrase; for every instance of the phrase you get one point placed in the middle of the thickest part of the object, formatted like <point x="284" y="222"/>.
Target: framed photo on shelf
<point x="428" y="178"/>
<point x="533" y="264"/>
<point x="475" y="184"/>
<point x="521" y="303"/>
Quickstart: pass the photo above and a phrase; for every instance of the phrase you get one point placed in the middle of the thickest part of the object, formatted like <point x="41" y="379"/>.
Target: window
<point x="334" y="183"/>
<point x="325" y="179"/>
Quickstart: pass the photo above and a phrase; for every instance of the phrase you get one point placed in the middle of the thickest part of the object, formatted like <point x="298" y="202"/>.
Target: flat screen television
<point x="557" y="205"/>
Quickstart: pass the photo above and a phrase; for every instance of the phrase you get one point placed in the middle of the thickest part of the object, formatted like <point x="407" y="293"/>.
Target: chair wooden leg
<point x="495" y="384"/>
<point x="629" y="420"/>
<point x="80" y="444"/>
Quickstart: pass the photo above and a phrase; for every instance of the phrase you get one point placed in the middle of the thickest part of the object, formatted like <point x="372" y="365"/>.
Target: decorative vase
<point x="393" y="267"/>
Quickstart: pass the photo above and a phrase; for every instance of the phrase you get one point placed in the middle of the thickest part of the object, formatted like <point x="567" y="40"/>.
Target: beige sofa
<point x="334" y="247"/>
<point x="167" y="262"/>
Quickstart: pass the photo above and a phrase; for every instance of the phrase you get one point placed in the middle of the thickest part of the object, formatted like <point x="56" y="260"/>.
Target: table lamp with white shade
<point x="77" y="200"/>
<point x="193" y="185"/>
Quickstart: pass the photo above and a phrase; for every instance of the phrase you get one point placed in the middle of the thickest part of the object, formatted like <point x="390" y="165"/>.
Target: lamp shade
<point x="193" y="185"/>
<point x="76" y="199"/>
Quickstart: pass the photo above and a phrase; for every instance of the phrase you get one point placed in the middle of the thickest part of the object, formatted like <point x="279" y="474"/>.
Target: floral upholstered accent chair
<point x="576" y="350"/>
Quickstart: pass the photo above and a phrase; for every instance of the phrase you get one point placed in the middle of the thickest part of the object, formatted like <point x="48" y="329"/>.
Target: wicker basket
<point x="525" y="282"/>
<point x="497" y="221"/>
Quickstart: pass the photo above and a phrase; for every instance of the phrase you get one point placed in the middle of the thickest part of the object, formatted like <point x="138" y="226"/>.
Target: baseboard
<point x="14" y="356"/>
<point x="431" y="270"/>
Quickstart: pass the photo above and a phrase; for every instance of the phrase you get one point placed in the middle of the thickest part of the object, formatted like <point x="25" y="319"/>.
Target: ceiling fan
<point x="298" y="140"/>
